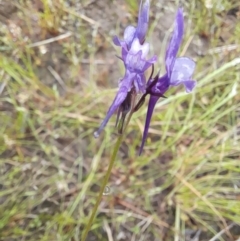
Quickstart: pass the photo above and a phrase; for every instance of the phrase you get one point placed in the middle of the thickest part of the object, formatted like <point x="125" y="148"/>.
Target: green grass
<point x="51" y="167"/>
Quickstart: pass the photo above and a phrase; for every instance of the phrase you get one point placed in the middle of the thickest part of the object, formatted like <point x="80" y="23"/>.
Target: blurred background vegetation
<point x="58" y="76"/>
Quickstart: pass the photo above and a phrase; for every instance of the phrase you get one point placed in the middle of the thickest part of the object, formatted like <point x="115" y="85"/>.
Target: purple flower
<point x="134" y="53"/>
<point x="138" y="32"/>
<point x="178" y="71"/>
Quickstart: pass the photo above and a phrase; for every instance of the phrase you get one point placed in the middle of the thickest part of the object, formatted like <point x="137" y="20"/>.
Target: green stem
<point x="105" y="181"/>
<point x="106" y="178"/>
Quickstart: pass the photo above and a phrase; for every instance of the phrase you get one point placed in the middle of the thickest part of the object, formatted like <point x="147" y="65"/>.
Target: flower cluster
<point x="134" y="53"/>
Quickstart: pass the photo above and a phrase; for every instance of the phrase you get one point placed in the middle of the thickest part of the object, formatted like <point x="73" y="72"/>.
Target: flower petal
<point x="149" y="62"/>
<point x="136" y="47"/>
<point x="124" y="54"/>
<point x="161" y="86"/>
<point x="129" y="34"/>
<point x="128" y="37"/>
<point x="182" y="70"/>
<point x="134" y="62"/>
<point x="140" y="83"/>
<point x="120" y="97"/>
<point x="143" y="17"/>
<point x="125" y="87"/>
<point x="117" y="41"/>
<point x="151" y="104"/>
<point x="175" y="42"/>
<point x="188" y="84"/>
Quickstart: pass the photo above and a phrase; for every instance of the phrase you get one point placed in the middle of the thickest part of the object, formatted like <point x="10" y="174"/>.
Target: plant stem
<point x="105" y="181"/>
<point x="106" y="178"/>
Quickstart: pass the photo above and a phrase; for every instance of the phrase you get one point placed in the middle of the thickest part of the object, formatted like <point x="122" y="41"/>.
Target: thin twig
<point x="197" y="235"/>
<point x="142" y="213"/>
<point x="96" y="61"/>
<point x="108" y="230"/>
<point x="79" y="15"/>
<point x="50" y="40"/>
<point x="4" y="83"/>
<point x="2" y="86"/>
<point x="218" y="235"/>
<point x="226" y="48"/>
<point x="187" y="45"/>
<point x="57" y="77"/>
